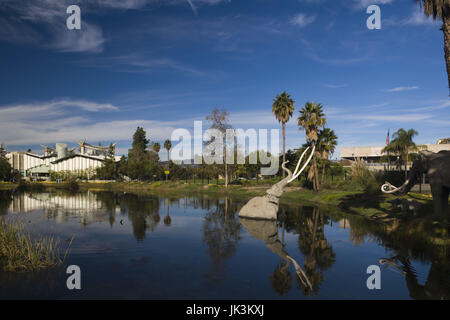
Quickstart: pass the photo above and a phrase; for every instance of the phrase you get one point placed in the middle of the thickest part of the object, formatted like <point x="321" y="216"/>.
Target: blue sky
<point x="163" y="64"/>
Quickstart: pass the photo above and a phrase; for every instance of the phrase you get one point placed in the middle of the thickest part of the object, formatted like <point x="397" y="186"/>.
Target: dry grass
<point x="19" y="252"/>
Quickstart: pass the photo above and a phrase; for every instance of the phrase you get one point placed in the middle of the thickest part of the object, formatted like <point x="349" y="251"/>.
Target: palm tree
<point x="283" y="108"/>
<point x="327" y="145"/>
<point x="311" y="119"/>
<point x="156" y="147"/>
<point x="440" y="9"/>
<point x="167" y="146"/>
<point x="402" y="145"/>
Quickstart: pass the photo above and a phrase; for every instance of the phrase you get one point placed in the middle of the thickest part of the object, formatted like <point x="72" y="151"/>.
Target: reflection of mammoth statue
<point x="437" y="168"/>
<point x="267" y="231"/>
<point x="436" y="286"/>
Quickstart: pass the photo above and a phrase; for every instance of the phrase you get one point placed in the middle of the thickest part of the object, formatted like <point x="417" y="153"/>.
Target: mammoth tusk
<point x="301" y="158"/>
<point x="300" y="273"/>
<point x="389" y="188"/>
<point x="304" y="166"/>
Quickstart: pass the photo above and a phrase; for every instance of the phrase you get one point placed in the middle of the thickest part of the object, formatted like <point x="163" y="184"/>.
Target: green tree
<point x="108" y="170"/>
<point x="283" y="108"/>
<point x="168" y="146"/>
<point x="440" y="9"/>
<point x="327" y="145"/>
<point x="5" y="167"/>
<point x="311" y="119"/>
<point x="142" y="164"/>
<point x="156" y="147"/>
<point x="402" y="144"/>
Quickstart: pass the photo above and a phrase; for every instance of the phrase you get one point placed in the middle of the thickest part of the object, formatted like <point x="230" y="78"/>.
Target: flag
<point x="387" y="138"/>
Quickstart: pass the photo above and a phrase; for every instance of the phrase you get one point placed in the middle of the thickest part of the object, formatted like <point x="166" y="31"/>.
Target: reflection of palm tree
<point x="167" y="219"/>
<point x="319" y="255"/>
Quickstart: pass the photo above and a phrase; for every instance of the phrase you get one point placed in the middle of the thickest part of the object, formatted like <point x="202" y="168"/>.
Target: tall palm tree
<point x="311" y="119"/>
<point x="168" y="146"/>
<point x="283" y="108"/>
<point x="327" y="145"/>
<point x="440" y="9"/>
<point x="402" y="144"/>
<point x="156" y="147"/>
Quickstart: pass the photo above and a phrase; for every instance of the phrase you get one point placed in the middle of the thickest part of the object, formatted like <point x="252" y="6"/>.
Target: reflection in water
<point x="142" y="212"/>
<point x="281" y="279"/>
<point x="221" y="231"/>
<point x="309" y="224"/>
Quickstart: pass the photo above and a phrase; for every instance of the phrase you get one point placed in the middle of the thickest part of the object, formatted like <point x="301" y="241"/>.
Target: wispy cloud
<point x="401" y="89"/>
<point x="336" y="86"/>
<point x="139" y="63"/>
<point x="302" y="20"/>
<point x="50" y="16"/>
<point x="193" y="7"/>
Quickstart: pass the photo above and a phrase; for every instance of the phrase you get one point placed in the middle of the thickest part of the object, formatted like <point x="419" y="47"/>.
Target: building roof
<point x="368" y="152"/>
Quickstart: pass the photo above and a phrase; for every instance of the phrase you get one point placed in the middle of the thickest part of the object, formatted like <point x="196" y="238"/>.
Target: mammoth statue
<point x="266" y="207"/>
<point x="437" y="168"/>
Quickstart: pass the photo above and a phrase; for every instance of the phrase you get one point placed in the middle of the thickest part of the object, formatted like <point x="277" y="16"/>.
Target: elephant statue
<point x="437" y="168"/>
<point x="266" y="207"/>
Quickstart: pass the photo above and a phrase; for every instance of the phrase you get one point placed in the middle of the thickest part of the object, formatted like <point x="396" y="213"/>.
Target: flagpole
<point x="389" y="158"/>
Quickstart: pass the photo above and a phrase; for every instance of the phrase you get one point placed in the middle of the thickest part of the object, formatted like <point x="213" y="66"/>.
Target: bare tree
<point x="220" y="121"/>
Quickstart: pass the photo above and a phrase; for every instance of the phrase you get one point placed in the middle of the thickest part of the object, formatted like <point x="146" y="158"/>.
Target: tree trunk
<point x="446" y="31"/>
<point x="316" y="169"/>
<point x="406" y="167"/>
<point x="226" y="174"/>
<point x="315" y="177"/>
<point x="323" y="173"/>
<point x="284" y="146"/>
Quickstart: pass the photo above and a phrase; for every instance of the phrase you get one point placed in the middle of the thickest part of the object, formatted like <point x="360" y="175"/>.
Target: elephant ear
<point x="425" y="156"/>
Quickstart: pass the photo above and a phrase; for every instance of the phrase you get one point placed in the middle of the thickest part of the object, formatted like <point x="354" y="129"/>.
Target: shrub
<point x="364" y="178"/>
<point x="72" y="186"/>
<point x="19" y="252"/>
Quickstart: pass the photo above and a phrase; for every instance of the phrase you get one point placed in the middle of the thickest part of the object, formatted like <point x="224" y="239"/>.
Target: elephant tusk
<point x="304" y="166"/>
<point x="389" y="188"/>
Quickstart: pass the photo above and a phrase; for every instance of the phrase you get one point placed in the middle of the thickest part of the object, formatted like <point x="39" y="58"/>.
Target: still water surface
<point x="131" y="247"/>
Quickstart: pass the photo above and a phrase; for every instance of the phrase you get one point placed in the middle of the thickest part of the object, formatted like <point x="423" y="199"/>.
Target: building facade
<point x="58" y="159"/>
<point x="373" y="156"/>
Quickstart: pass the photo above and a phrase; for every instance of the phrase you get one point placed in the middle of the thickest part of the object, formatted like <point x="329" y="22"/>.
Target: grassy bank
<point x="19" y="252"/>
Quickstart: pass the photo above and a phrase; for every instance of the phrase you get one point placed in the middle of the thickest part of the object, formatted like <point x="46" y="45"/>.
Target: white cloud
<point x="366" y="3"/>
<point x="419" y="18"/>
<point x="302" y="20"/>
<point x="400" y="89"/>
<point x="50" y="122"/>
<point x="336" y="86"/>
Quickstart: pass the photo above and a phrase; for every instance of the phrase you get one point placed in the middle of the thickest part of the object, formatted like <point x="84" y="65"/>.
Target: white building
<point x="373" y="155"/>
<point x="58" y="159"/>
